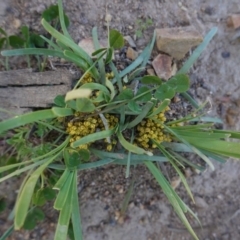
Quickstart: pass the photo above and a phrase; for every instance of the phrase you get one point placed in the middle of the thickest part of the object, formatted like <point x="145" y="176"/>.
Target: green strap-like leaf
<point x="32" y="51"/>
<point x="63" y="193"/>
<point x="65" y="214"/>
<point x="130" y="147"/>
<point x="23" y="203"/>
<point x="25" y="119"/>
<point x="141" y="116"/>
<point x="76" y="217"/>
<point x="93" y="137"/>
<point x="171" y="195"/>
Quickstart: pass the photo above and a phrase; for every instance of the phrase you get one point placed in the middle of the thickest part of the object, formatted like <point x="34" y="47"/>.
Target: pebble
<point x="177" y="41"/>
<point x="131" y="53"/>
<point x="130" y="41"/>
<point x="162" y="65"/>
<point x="234" y="21"/>
<point x="225" y="54"/>
<point x="175" y="182"/>
<point x="17" y="23"/>
<point x="200" y="202"/>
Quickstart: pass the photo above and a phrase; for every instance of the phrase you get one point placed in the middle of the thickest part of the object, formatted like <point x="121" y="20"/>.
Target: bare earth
<point x="214" y="76"/>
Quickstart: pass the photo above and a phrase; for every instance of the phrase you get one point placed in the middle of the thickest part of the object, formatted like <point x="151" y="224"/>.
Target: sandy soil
<point x="214" y="76"/>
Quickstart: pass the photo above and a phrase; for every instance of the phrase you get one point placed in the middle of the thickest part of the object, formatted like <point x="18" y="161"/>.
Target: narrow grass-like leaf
<point x="206" y="119"/>
<point x="61" y="181"/>
<point x="76" y="59"/>
<point x="186" y="161"/>
<point x="84" y="166"/>
<point x="62" y="19"/>
<point x="160" y="108"/>
<point x="61" y="112"/>
<point x="7" y="233"/>
<point x="51" y="43"/>
<point x="95" y="86"/>
<point x="149" y="49"/>
<point x="111" y="88"/>
<point x="199" y="153"/>
<point x="169" y="193"/>
<point x="198" y="51"/>
<point x="63" y="192"/>
<point x="25" y="197"/>
<point x="127" y="198"/>
<point x="202" y="134"/>
<point x="233" y="134"/>
<point x="214" y="156"/>
<point x="100" y="58"/>
<point x="171" y="160"/>
<point x="130" y="147"/>
<point x="141" y="60"/>
<point x="66" y="41"/>
<point x="25" y="119"/>
<point x="32" y="51"/>
<point x="116" y="74"/>
<point x="141" y="116"/>
<point x="93" y="137"/>
<point x="65" y="215"/>
<point x="225" y="148"/>
<point x="122" y="156"/>
<point x="76" y="217"/>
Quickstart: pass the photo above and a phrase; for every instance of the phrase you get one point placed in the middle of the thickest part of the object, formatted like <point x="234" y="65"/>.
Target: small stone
<point x="200" y="202"/>
<point x="120" y="190"/>
<point x="117" y="215"/>
<point x="233" y="111"/>
<point x="230" y="120"/>
<point x="234" y="21"/>
<point x="17" y="23"/>
<point x="131" y="54"/>
<point x="131" y="205"/>
<point x="225" y="54"/>
<point x="121" y="220"/>
<point x="130" y="41"/>
<point x="151" y="72"/>
<point x="162" y="65"/>
<point x="175" y="182"/>
<point x="187" y="172"/>
<point x="177" y="41"/>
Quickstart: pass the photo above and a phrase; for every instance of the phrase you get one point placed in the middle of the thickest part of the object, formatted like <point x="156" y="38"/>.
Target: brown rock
<point x="177" y="41"/>
<point x="200" y="202"/>
<point x="131" y="53"/>
<point x="162" y="65"/>
<point x="234" y="21"/>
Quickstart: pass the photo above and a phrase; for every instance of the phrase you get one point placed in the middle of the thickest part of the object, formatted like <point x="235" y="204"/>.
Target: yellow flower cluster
<point x="110" y="75"/>
<point x="78" y="128"/>
<point x="87" y="79"/>
<point x="149" y="129"/>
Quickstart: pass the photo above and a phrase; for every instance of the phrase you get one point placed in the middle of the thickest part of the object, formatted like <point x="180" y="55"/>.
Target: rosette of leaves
<point x="149" y="97"/>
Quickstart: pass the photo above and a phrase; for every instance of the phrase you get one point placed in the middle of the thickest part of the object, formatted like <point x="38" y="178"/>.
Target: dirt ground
<point x="215" y="76"/>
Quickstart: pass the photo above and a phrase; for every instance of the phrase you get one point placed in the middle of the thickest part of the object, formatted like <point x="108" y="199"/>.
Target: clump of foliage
<point x="101" y="110"/>
<point x="142" y="25"/>
<point x="29" y="39"/>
